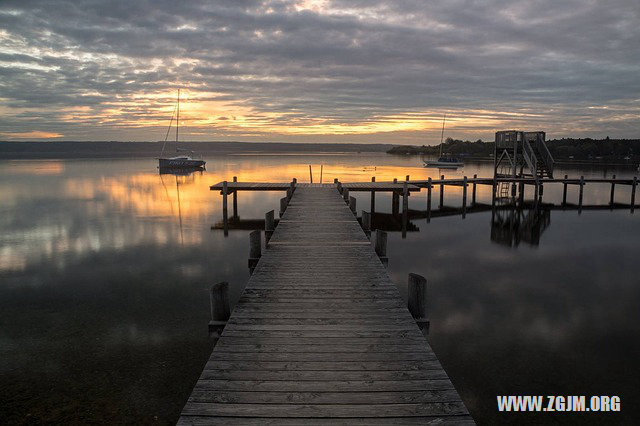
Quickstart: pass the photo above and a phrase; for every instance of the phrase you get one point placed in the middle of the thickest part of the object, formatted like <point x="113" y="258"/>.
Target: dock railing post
<point x="613" y="190"/>
<point x="283" y="205"/>
<point x="289" y="194"/>
<point x="345" y="195"/>
<point x="464" y="197"/>
<point x="395" y="200"/>
<point x="335" y="180"/>
<point x="352" y="205"/>
<point x="429" y="187"/>
<point x="339" y="186"/>
<point x="219" y="299"/>
<point x="473" y="191"/>
<point x="564" y="190"/>
<point x="441" y="191"/>
<point x="580" y="194"/>
<point x="366" y="223"/>
<point x="235" y="200"/>
<point x="225" y="214"/>
<point x="381" y="246"/>
<point x="417" y="303"/>
<point x="633" y="193"/>
<point x="373" y="196"/>
<point x="255" y="249"/>
<point x="405" y="207"/>
<point x="269" y="225"/>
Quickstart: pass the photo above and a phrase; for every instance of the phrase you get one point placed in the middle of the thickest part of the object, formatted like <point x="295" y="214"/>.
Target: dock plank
<point x="320" y="334"/>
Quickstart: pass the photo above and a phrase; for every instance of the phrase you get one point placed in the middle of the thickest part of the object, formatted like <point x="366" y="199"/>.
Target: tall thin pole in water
<point x="320" y="174"/>
<point x="310" y="175"/>
<point x="178" y="118"/>
<point x="442" y="133"/>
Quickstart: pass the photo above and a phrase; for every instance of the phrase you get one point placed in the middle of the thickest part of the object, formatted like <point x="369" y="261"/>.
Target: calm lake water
<point x="105" y="266"/>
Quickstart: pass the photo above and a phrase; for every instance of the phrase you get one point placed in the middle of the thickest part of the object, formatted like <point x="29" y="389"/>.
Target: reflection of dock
<point x="321" y="334"/>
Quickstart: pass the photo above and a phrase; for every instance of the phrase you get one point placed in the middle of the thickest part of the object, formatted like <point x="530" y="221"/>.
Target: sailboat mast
<point x="442" y="133"/>
<point x="178" y="118"/>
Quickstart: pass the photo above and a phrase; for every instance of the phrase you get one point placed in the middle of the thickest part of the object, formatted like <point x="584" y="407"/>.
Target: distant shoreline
<point x="113" y="149"/>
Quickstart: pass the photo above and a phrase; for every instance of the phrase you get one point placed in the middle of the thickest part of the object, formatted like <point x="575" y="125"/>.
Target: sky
<point x="318" y="70"/>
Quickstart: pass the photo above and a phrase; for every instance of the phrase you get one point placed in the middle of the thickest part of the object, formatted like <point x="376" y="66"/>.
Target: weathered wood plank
<point x="320" y="333"/>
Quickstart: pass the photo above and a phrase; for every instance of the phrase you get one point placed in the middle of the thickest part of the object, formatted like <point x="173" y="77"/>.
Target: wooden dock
<point x="321" y="334"/>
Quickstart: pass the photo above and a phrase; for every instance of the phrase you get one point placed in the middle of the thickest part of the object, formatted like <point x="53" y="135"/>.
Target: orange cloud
<point x="35" y="134"/>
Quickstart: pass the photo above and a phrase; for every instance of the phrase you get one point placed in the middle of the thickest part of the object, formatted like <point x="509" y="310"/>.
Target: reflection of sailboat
<point x="184" y="175"/>
<point x="180" y="161"/>
<point x="444" y="161"/>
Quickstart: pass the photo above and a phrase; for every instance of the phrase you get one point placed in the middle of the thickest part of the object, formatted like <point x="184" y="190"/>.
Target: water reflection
<point x="512" y="224"/>
<point x="105" y="266"/>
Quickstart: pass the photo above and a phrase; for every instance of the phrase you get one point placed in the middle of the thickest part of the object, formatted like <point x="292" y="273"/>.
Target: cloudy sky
<point x="318" y="70"/>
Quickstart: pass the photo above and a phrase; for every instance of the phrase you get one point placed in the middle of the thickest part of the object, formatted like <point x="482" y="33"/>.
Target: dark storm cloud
<point x="342" y="61"/>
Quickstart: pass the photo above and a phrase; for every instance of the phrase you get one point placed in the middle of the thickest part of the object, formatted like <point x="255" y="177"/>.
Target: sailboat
<point x="444" y="161"/>
<point x="179" y="161"/>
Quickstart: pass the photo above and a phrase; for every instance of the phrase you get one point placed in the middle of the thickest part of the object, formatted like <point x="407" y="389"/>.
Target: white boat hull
<point x="443" y="165"/>
<point x="179" y="163"/>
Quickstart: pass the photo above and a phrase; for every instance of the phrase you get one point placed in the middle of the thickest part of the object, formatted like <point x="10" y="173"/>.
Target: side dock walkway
<point x="321" y="335"/>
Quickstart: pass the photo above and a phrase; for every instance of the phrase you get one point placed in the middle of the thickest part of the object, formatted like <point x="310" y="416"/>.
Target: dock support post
<point x="613" y="190"/>
<point x="366" y="223"/>
<point x="373" y="196"/>
<point x="235" y="200"/>
<point x="381" y="246"/>
<point x="464" y="197"/>
<point x="225" y="214"/>
<point x="405" y="207"/>
<point x="580" y="195"/>
<point x="352" y="205"/>
<point x="441" y="192"/>
<point x="283" y="205"/>
<point x="335" y="180"/>
<point x="255" y="249"/>
<point x="289" y="194"/>
<point x="407" y="179"/>
<point x="321" y="174"/>
<point x="269" y="225"/>
<point x="429" y="188"/>
<point x="633" y="193"/>
<point x="339" y="186"/>
<point x="345" y="195"/>
<point x="417" y="303"/>
<point x="564" y="190"/>
<point x="395" y="203"/>
<point x="219" y="298"/>
<point x="310" y="175"/>
<point x="473" y="190"/>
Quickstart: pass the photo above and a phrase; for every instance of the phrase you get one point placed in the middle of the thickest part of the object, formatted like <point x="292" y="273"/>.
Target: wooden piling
<point x="405" y="207"/>
<point x="235" y="200"/>
<point x="255" y="249"/>
<point x="633" y="193"/>
<point x="352" y="205"/>
<point x="407" y="178"/>
<point x="473" y="191"/>
<point x="613" y="190"/>
<point x="339" y="186"/>
<point x="219" y="299"/>
<point x="441" y="191"/>
<point x="345" y="195"/>
<point x="564" y="190"/>
<point x="289" y="194"/>
<point x="269" y="225"/>
<point x="335" y="180"/>
<point x="225" y="214"/>
<point x="310" y="175"/>
<point x="373" y="196"/>
<point x="464" y="197"/>
<point x="366" y="223"/>
<point x="381" y="246"/>
<point x="321" y="174"/>
<point x="429" y="188"/>
<point x="417" y="300"/>
<point x="283" y="205"/>
<point x="580" y="194"/>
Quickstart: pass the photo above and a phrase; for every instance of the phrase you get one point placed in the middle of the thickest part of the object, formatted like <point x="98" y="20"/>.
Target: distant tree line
<point x="561" y="149"/>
